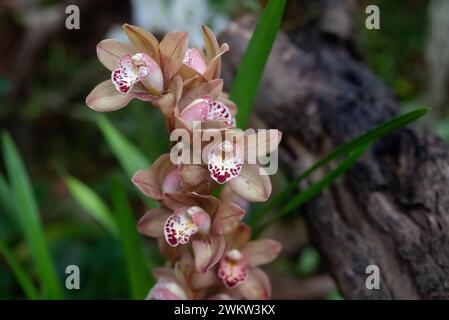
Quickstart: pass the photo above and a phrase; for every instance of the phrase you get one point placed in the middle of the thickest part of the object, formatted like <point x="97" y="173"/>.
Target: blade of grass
<point x="92" y="203"/>
<point x="5" y="197"/>
<point x="315" y="188"/>
<point x="139" y="276"/>
<point x="28" y="215"/>
<point x="246" y="82"/>
<point x="129" y="156"/>
<point x="20" y="274"/>
<point x="370" y="136"/>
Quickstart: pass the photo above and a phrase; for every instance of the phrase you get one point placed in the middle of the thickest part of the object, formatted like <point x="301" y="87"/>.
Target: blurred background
<point x="72" y="203"/>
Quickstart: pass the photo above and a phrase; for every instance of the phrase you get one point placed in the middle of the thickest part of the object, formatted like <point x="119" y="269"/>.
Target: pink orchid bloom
<point x="182" y="282"/>
<point x="204" y="65"/>
<point x="191" y="218"/>
<point x="165" y="177"/>
<point x="239" y="266"/>
<point x="143" y="70"/>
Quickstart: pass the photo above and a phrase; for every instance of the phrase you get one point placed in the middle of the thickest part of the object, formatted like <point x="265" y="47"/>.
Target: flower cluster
<point x="209" y="251"/>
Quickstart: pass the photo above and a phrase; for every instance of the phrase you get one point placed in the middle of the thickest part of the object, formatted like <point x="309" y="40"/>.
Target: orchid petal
<point x="210" y="43"/>
<point x="152" y="223"/>
<point x="239" y="238"/>
<point x="105" y="97"/>
<point x="257" y="286"/>
<point x="166" y="289"/>
<point x="214" y="67"/>
<point x="143" y="41"/>
<point x="262" y="143"/>
<point x="172" y="50"/>
<point x="195" y="177"/>
<point x="195" y="60"/>
<point x="196" y="89"/>
<point x="233" y="269"/>
<point x="201" y="280"/>
<point x="125" y="76"/>
<point x="251" y="184"/>
<point x="110" y="52"/>
<point x="224" y="162"/>
<point x="227" y="218"/>
<point x="260" y="252"/>
<point x="207" y="252"/>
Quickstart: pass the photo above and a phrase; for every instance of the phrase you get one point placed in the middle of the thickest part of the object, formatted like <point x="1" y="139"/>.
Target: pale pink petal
<point x="110" y="52"/>
<point x="233" y="269"/>
<point x="206" y="109"/>
<point x="152" y="223"/>
<point x="262" y="143"/>
<point x="104" y="97"/>
<point x="260" y="252"/>
<point x="204" y="280"/>
<point x="195" y="60"/>
<point x="239" y="238"/>
<point x="227" y="218"/>
<point x="224" y="162"/>
<point x="207" y="252"/>
<point x="251" y="184"/>
<point x="171" y="182"/>
<point x="150" y="73"/>
<point x="166" y="289"/>
<point x="257" y="286"/>
<point x="220" y="296"/>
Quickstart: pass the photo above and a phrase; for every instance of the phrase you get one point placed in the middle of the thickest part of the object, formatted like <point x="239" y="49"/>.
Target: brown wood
<point x="392" y="208"/>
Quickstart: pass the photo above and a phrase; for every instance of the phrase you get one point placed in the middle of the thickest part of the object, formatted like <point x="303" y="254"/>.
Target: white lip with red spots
<point x="207" y="109"/>
<point x="233" y="268"/>
<point x="224" y="162"/>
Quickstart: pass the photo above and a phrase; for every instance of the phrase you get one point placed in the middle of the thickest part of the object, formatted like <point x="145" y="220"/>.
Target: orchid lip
<point x="233" y="269"/>
<point x="224" y="162"/>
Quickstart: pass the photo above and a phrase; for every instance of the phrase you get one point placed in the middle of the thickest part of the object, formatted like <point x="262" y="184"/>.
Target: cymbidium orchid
<point x="208" y="250"/>
<point x="239" y="267"/>
<point x="199" y="220"/>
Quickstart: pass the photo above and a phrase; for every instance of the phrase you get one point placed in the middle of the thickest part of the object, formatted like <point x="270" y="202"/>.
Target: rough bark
<point x="392" y="208"/>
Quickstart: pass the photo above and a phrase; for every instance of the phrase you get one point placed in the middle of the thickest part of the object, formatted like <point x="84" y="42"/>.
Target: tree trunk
<point x="392" y="208"/>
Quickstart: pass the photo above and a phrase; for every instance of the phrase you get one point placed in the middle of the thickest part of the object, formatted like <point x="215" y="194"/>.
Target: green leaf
<point x="246" y="82"/>
<point x="28" y="215"/>
<point x="140" y="280"/>
<point x="314" y="189"/>
<point x="308" y="262"/>
<point x="20" y="274"/>
<point x="5" y="197"/>
<point x="130" y="157"/>
<point x="370" y="136"/>
<point x="92" y="203"/>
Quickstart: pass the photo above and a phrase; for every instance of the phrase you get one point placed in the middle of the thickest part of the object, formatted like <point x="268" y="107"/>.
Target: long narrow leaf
<point x="246" y="82"/>
<point x="370" y="136"/>
<point x="315" y="188"/>
<point x="20" y="274"/>
<point x="138" y="271"/>
<point x="29" y="220"/>
<point x="92" y="203"/>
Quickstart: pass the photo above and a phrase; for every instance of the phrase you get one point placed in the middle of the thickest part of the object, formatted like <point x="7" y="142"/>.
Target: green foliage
<point x="137" y="268"/>
<point x="252" y="65"/>
<point x="27" y="214"/>
<point x="92" y="203"/>
<point x="308" y="261"/>
<point x="353" y="149"/>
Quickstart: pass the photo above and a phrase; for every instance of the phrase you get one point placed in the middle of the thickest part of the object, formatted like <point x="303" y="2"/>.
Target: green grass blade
<point x="92" y="203"/>
<point x="246" y="82"/>
<point x="21" y="276"/>
<point x="28" y="215"/>
<point x="315" y="188"/>
<point x="139" y="277"/>
<point x="5" y="197"/>
<point x="370" y="136"/>
<point x="130" y="158"/>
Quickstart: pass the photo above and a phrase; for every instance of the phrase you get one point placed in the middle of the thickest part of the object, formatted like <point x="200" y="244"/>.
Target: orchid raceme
<point x="207" y="248"/>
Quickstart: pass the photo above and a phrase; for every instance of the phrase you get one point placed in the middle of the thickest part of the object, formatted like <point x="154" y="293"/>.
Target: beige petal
<point x="210" y="43"/>
<point x="105" y="97"/>
<point x="143" y="41"/>
<point x="172" y="50"/>
<point x="196" y="178"/>
<point x="169" y="101"/>
<point x="260" y="252"/>
<point x="152" y="223"/>
<point x="261" y="143"/>
<point x="199" y="89"/>
<point x="204" y="280"/>
<point x="171" y="253"/>
<point x="227" y="219"/>
<point x="239" y="238"/>
<point x="251" y="184"/>
<point x="257" y="286"/>
<point x="110" y="51"/>
<point x="207" y="252"/>
<point x="213" y="69"/>
<point x="150" y="181"/>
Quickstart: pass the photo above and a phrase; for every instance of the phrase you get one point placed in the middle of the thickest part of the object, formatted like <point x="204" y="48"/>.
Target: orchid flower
<point x="183" y="282"/>
<point x="239" y="267"/>
<point x="204" y="65"/>
<point x="143" y="70"/>
<point x="192" y="218"/>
